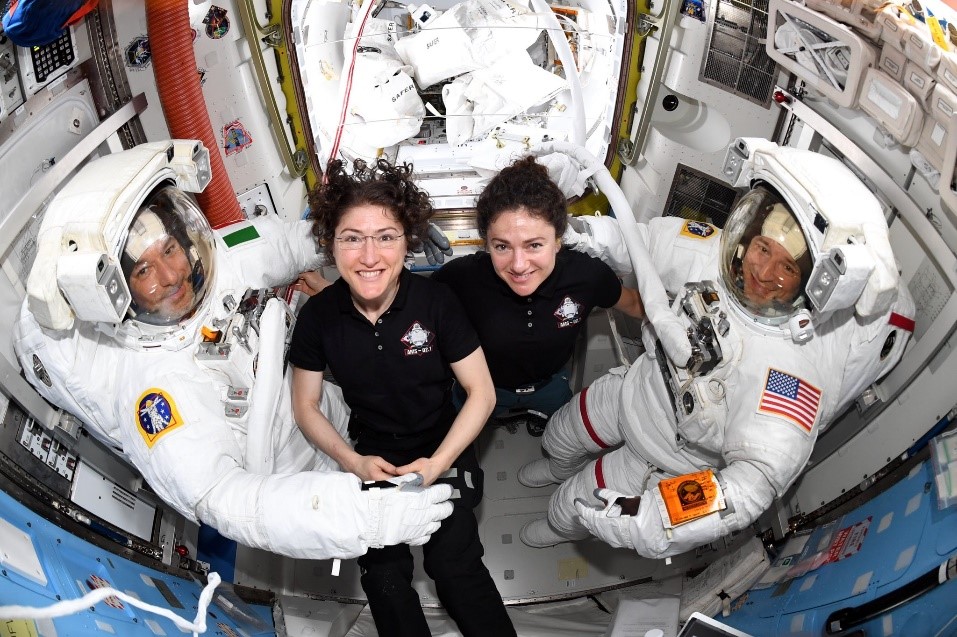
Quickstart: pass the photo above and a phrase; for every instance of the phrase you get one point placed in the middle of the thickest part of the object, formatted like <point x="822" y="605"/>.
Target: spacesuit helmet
<point x="167" y="258"/>
<point x="845" y="258"/>
<point x="765" y="260"/>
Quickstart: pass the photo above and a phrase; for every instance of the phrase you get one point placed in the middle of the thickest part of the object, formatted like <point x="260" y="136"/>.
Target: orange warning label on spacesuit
<point x="691" y="496"/>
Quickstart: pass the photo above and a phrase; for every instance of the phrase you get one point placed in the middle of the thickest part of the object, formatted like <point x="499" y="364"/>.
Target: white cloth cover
<point x="194" y="456"/>
<point x="384" y="103"/>
<point x="756" y="452"/>
<point x="442" y="49"/>
<point x="469" y="36"/>
<point x="378" y="36"/>
<point x="507" y="88"/>
<point x="458" y="111"/>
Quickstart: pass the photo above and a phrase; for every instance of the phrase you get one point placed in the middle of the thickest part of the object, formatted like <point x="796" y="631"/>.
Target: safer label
<point x="689" y="497"/>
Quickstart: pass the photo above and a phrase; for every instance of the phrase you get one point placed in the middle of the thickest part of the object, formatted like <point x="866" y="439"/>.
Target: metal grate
<point x="736" y="57"/>
<point x="695" y="195"/>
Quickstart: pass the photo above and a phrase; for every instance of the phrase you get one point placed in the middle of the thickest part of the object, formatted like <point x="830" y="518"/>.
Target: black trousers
<point x="453" y="559"/>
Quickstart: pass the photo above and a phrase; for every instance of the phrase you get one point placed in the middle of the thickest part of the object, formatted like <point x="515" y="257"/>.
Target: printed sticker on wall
<point x="138" y="55"/>
<point x="227" y="630"/>
<point x="95" y="582"/>
<point x="217" y="24"/>
<point x="202" y="75"/>
<point x="235" y="137"/>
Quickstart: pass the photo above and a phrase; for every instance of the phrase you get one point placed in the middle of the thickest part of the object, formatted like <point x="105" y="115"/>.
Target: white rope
<point x="70" y="606"/>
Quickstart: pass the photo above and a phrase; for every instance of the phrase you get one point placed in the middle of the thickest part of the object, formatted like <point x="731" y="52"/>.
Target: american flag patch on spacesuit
<point x="791" y="398"/>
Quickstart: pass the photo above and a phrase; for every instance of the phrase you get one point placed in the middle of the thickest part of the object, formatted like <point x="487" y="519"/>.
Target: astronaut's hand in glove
<point x="569" y="165"/>
<point x="406" y="515"/>
<point x="435" y="245"/>
<point x="611" y="523"/>
<point x="673" y="334"/>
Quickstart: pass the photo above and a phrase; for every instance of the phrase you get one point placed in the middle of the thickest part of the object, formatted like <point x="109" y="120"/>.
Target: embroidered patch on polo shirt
<point x="569" y="312"/>
<point x="156" y="415"/>
<point x="697" y="229"/>
<point x="417" y="340"/>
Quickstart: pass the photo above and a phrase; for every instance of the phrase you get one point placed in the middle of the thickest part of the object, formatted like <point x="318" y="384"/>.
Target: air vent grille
<point x="736" y="57"/>
<point x="697" y="196"/>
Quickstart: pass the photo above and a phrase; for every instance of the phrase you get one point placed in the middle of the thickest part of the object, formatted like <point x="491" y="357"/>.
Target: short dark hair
<point x="524" y="184"/>
<point x="380" y="184"/>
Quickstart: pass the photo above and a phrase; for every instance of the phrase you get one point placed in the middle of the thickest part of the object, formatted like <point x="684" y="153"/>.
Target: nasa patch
<point x="417" y="340"/>
<point x="156" y="415"/>
<point x="569" y="312"/>
<point x="697" y="230"/>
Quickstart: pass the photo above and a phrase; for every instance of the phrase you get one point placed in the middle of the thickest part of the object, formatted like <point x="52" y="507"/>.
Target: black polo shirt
<point x="528" y="339"/>
<point x="395" y="374"/>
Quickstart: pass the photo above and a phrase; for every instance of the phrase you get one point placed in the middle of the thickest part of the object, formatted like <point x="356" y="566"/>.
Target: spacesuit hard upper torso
<point x="182" y="417"/>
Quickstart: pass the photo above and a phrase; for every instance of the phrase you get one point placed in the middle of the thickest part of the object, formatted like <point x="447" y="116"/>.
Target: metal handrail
<point x="631" y="149"/>
<point x="295" y="160"/>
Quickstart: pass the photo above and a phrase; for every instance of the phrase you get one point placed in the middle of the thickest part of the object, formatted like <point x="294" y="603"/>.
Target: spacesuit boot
<point x="539" y="534"/>
<point x="537" y="473"/>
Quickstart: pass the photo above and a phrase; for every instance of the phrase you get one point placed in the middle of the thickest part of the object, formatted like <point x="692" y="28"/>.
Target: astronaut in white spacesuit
<point x="167" y="341"/>
<point x="791" y="312"/>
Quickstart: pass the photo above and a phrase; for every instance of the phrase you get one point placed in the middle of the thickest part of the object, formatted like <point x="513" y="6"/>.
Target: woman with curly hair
<point x="394" y="342"/>
<point x="527" y="298"/>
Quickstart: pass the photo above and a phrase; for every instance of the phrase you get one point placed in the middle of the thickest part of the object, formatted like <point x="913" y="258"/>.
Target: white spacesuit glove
<point x="406" y="514"/>
<point x="608" y="523"/>
<point x="566" y="166"/>
<point x="435" y="245"/>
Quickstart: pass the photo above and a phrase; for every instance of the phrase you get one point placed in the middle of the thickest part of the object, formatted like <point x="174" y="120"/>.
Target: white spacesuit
<point x="791" y="311"/>
<point x="166" y="340"/>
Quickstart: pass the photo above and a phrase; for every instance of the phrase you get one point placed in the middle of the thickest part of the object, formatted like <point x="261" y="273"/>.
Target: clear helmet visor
<point x="167" y="258"/>
<point x="765" y="261"/>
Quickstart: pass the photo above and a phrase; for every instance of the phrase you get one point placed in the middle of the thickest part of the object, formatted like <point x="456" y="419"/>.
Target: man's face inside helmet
<point x="769" y="272"/>
<point x="765" y="256"/>
<point x="167" y="258"/>
<point x="161" y="280"/>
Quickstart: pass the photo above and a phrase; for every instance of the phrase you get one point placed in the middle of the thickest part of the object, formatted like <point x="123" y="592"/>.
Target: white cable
<point x="70" y="606"/>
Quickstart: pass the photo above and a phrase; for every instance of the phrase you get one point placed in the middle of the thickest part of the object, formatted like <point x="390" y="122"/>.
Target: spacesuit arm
<point x="764" y="457"/>
<point x="267" y="251"/>
<point x="195" y="464"/>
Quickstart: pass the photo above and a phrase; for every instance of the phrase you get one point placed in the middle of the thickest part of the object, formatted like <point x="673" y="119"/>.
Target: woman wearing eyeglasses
<point x="527" y="298"/>
<point x="394" y="342"/>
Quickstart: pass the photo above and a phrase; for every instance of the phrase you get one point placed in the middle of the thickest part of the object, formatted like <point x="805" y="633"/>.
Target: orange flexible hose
<point x="174" y="66"/>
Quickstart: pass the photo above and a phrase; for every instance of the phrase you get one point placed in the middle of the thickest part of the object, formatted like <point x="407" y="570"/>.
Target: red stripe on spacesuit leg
<point x="901" y="321"/>
<point x="600" y="474"/>
<point x="583" y="409"/>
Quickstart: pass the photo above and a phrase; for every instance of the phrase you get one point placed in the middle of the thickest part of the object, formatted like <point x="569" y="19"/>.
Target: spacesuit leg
<point x="622" y="470"/>
<point x="587" y="424"/>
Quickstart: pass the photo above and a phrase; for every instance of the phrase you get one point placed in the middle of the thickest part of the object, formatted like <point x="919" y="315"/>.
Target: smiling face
<point x="160" y="281"/>
<point x="523" y="249"/>
<point x="769" y="272"/>
<point x="371" y="271"/>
